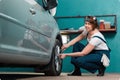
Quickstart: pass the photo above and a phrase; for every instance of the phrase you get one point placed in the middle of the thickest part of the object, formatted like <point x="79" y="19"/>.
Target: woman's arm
<point x="72" y="42"/>
<point x="78" y="38"/>
<point x="85" y="51"/>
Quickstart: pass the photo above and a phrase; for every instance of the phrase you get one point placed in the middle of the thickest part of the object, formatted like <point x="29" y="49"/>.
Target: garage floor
<point x="63" y="76"/>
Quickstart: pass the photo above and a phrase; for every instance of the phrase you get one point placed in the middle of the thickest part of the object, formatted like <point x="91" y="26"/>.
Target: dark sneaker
<point x="101" y="71"/>
<point x="75" y="73"/>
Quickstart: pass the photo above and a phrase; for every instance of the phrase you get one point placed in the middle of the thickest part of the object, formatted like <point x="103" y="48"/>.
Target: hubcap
<point x="57" y="59"/>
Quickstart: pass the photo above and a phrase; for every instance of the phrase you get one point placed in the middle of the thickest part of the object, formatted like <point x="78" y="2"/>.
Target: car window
<point x="35" y="2"/>
<point x="42" y="3"/>
<point x="39" y="2"/>
<point x="32" y="2"/>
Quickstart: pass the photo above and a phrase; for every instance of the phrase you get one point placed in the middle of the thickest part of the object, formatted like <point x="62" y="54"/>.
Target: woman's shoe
<point x="101" y="71"/>
<point x="75" y="73"/>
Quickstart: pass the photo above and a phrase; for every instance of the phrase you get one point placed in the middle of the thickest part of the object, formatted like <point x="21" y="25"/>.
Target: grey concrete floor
<point x="63" y="76"/>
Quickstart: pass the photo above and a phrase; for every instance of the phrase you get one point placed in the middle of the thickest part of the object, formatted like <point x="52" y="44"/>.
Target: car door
<point x="40" y="35"/>
<point x="42" y="23"/>
<point x="16" y="39"/>
<point x="12" y="18"/>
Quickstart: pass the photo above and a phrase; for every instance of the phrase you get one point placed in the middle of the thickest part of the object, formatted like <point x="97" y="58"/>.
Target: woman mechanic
<point x="88" y="57"/>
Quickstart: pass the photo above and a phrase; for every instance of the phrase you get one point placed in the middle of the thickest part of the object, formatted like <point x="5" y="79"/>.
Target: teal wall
<point x="91" y="7"/>
<point x="83" y="8"/>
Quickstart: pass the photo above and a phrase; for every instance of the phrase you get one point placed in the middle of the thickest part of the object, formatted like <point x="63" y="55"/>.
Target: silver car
<point x="29" y="37"/>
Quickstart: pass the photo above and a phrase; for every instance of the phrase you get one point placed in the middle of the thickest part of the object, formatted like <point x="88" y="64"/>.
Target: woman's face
<point x="88" y="26"/>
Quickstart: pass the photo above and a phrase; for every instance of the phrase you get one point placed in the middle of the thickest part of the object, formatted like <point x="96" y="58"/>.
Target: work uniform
<point x="91" y="61"/>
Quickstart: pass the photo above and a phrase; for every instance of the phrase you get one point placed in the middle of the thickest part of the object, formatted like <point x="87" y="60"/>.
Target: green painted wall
<point x="83" y="8"/>
<point x="91" y="7"/>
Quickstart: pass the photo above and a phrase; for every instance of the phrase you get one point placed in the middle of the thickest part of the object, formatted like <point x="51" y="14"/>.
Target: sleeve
<point x="95" y="41"/>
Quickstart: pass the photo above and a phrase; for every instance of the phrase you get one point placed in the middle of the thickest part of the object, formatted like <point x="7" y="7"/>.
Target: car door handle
<point x="32" y="11"/>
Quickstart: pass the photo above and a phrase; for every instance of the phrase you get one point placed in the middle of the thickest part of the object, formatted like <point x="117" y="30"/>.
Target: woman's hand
<point x="62" y="56"/>
<point x="64" y="46"/>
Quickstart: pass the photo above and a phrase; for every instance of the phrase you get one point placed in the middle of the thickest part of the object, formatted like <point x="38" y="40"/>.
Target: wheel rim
<point x="57" y="59"/>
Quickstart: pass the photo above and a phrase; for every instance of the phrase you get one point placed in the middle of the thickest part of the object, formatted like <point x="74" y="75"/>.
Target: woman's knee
<point x="78" y="47"/>
<point x="78" y="60"/>
<point x="82" y="61"/>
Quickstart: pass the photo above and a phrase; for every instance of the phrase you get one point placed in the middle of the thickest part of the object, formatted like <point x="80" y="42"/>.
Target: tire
<point x="55" y="65"/>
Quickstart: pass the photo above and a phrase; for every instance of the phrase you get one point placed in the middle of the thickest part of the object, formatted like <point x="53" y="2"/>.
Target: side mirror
<point x="50" y="5"/>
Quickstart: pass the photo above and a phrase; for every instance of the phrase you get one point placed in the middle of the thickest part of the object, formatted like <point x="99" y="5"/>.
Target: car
<point x="29" y="37"/>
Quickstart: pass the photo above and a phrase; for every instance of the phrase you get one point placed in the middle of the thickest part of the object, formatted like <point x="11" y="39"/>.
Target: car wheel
<point x="55" y="65"/>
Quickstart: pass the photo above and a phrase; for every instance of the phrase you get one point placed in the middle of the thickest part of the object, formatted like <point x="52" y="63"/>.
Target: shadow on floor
<point x="17" y="76"/>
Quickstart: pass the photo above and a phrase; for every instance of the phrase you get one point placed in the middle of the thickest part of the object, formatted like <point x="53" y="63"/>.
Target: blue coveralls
<point x="92" y="61"/>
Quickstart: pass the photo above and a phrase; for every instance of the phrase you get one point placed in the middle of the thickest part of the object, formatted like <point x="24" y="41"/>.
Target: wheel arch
<point x="59" y="37"/>
<point x="51" y="64"/>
